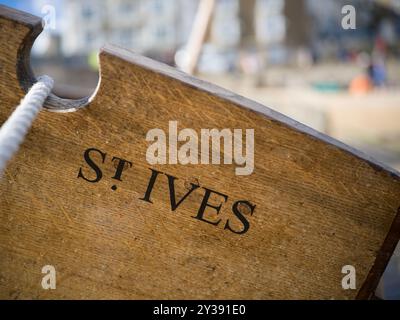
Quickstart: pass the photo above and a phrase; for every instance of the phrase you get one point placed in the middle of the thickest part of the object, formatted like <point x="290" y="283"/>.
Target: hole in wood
<point x="75" y="76"/>
<point x="65" y="97"/>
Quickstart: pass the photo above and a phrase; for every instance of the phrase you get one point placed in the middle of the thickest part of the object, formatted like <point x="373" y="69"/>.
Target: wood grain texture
<point x="319" y="204"/>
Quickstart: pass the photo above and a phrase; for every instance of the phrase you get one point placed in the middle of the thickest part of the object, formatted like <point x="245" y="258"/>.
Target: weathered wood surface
<point x="319" y="204"/>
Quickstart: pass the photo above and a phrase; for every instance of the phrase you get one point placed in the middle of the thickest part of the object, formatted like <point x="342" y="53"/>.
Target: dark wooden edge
<point x="21" y="17"/>
<point x="24" y="71"/>
<point x="27" y="78"/>
<point x="367" y="291"/>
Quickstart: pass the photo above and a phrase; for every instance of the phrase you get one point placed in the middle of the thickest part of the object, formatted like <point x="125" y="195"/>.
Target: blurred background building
<point x="291" y="55"/>
<point x="291" y="31"/>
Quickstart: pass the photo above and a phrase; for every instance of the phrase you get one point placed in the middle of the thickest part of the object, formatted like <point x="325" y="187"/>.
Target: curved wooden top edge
<point x="21" y="17"/>
<point x="240" y="101"/>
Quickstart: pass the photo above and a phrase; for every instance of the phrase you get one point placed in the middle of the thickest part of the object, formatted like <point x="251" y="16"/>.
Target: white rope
<point x="13" y="131"/>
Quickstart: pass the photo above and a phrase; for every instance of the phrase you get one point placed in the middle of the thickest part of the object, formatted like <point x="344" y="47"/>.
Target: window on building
<point x="158" y="6"/>
<point x="160" y="33"/>
<point x="125" y="37"/>
<point x="87" y="12"/>
<point x="90" y="39"/>
<point x="127" y="7"/>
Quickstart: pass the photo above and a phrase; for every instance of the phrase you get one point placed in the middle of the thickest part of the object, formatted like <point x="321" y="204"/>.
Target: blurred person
<point x="377" y="72"/>
<point x="362" y="83"/>
<point x="377" y="67"/>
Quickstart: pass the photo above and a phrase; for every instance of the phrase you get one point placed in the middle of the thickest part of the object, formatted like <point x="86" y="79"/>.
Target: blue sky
<point x="31" y="6"/>
<point x="19" y="4"/>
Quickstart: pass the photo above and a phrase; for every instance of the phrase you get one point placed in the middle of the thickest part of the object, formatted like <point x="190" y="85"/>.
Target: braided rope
<point x="14" y="130"/>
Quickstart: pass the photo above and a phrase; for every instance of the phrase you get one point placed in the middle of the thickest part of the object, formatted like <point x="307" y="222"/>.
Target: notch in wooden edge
<point x="24" y="71"/>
